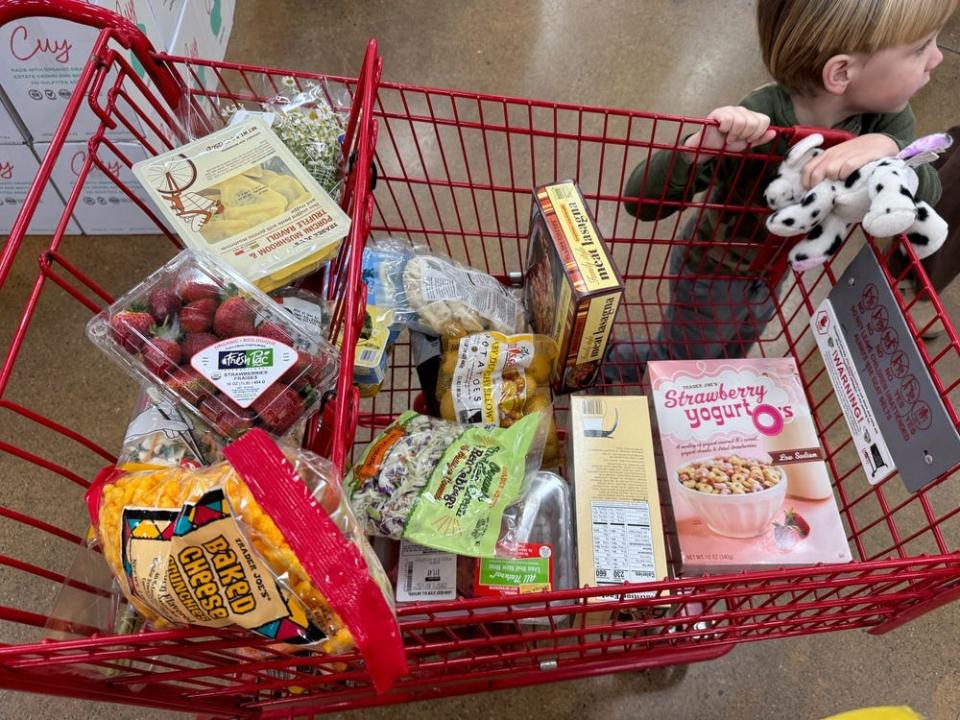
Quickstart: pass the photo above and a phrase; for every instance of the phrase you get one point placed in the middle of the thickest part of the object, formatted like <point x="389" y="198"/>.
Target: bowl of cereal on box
<point x="735" y="496"/>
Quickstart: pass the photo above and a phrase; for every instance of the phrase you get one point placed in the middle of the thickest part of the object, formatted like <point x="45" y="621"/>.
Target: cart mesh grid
<point x="456" y="172"/>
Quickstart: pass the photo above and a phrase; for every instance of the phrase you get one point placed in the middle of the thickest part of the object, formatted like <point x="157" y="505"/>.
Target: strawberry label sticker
<point x="243" y="367"/>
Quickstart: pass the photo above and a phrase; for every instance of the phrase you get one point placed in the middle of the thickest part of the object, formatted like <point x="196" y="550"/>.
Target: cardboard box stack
<point x="18" y="167"/>
<point x="103" y="207"/>
<point x="41" y="60"/>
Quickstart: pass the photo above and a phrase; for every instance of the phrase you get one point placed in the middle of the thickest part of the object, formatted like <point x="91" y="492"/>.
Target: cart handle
<point x="121" y="29"/>
<point x="797" y="133"/>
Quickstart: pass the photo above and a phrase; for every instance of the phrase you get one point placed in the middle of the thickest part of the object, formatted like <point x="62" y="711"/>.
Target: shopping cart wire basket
<point x="455" y="172"/>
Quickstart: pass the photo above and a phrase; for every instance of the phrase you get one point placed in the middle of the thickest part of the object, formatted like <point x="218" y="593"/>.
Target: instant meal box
<point x="572" y="290"/>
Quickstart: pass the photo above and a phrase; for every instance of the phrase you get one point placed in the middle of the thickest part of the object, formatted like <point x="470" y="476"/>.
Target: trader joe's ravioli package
<point x="264" y="541"/>
<point x="241" y="195"/>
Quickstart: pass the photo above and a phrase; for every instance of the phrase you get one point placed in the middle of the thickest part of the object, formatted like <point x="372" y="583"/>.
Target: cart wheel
<point x="667" y="676"/>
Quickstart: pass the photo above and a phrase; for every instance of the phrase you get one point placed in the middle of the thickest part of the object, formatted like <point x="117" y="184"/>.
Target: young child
<point x="851" y="65"/>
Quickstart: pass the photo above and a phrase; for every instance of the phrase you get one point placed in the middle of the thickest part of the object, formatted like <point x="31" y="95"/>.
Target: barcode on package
<point x="593" y="406"/>
<point x="425" y="574"/>
<point x="564" y="191"/>
<point x="369" y="355"/>
<point x="622" y="544"/>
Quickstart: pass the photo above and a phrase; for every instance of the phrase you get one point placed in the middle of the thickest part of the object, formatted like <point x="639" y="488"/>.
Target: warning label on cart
<point x="896" y="415"/>
<point x="864" y="428"/>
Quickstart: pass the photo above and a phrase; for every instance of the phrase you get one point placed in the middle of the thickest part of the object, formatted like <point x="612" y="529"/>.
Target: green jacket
<point x="736" y="181"/>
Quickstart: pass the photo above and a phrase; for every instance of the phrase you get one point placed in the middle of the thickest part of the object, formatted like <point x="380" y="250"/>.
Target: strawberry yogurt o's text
<point x="682" y="398"/>
<point x="722" y="404"/>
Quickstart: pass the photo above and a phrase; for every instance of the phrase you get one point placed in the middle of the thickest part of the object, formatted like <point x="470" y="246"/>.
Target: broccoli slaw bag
<point x="265" y="541"/>
<point x="443" y="485"/>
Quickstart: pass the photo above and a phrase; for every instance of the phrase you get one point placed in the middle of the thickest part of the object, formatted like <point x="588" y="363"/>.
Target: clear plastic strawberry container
<point x="219" y="346"/>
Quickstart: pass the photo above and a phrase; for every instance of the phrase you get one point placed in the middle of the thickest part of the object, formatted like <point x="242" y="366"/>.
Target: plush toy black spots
<point x="881" y="196"/>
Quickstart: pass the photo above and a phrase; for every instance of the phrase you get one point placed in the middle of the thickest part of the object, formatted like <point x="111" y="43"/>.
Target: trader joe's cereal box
<point x="747" y="477"/>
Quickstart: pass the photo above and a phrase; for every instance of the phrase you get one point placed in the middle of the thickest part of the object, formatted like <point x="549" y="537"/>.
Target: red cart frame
<point x="456" y="171"/>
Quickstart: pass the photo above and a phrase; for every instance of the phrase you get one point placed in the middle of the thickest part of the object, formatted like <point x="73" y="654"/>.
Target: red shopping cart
<point x="455" y="172"/>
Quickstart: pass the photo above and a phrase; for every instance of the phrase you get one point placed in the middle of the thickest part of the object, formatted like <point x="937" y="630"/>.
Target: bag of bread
<point x="265" y="541"/>
<point x="437" y="296"/>
<point x="451" y="300"/>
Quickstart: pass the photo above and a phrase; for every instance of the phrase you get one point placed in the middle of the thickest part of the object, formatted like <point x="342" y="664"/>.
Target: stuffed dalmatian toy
<point x="880" y="195"/>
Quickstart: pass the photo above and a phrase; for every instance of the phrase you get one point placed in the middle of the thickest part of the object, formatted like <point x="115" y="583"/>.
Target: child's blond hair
<point x="797" y="37"/>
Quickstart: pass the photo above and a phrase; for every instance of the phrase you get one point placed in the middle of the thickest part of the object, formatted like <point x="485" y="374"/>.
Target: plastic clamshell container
<point x="217" y="345"/>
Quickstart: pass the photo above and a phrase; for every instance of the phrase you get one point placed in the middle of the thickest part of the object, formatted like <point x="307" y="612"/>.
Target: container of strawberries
<point x="219" y="346"/>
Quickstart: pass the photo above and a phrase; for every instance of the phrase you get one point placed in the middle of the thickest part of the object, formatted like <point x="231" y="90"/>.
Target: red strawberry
<point x="234" y="317"/>
<point x="793" y="530"/>
<point x="190" y="385"/>
<point x="298" y="374"/>
<point x="226" y="415"/>
<point x="275" y="331"/>
<point x="131" y="328"/>
<point x="192" y="290"/>
<point x="278" y="408"/>
<point x="307" y="372"/>
<point x="195" y="342"/>
<point x="163" y="303"/>
<point x="795" y="520"/>
<point x="197" y="316"/>
<point x="161" y="356"/>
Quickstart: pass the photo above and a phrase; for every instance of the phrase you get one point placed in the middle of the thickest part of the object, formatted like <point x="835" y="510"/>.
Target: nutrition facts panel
<point x="622" y="542"/>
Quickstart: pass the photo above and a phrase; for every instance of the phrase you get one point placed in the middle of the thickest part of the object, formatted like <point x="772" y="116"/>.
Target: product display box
<point x="18" y="168"/>
<point x="572" y="290"/>
<point x="103" y="208"/>
<point x="747" y="477"/>
<point x="619" y="528"/>
<point x="42" y="59"/>
<point x="202" y="31"/>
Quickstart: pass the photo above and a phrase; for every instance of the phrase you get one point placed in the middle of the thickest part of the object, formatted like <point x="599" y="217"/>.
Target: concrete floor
<point x="671" y="56"/>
